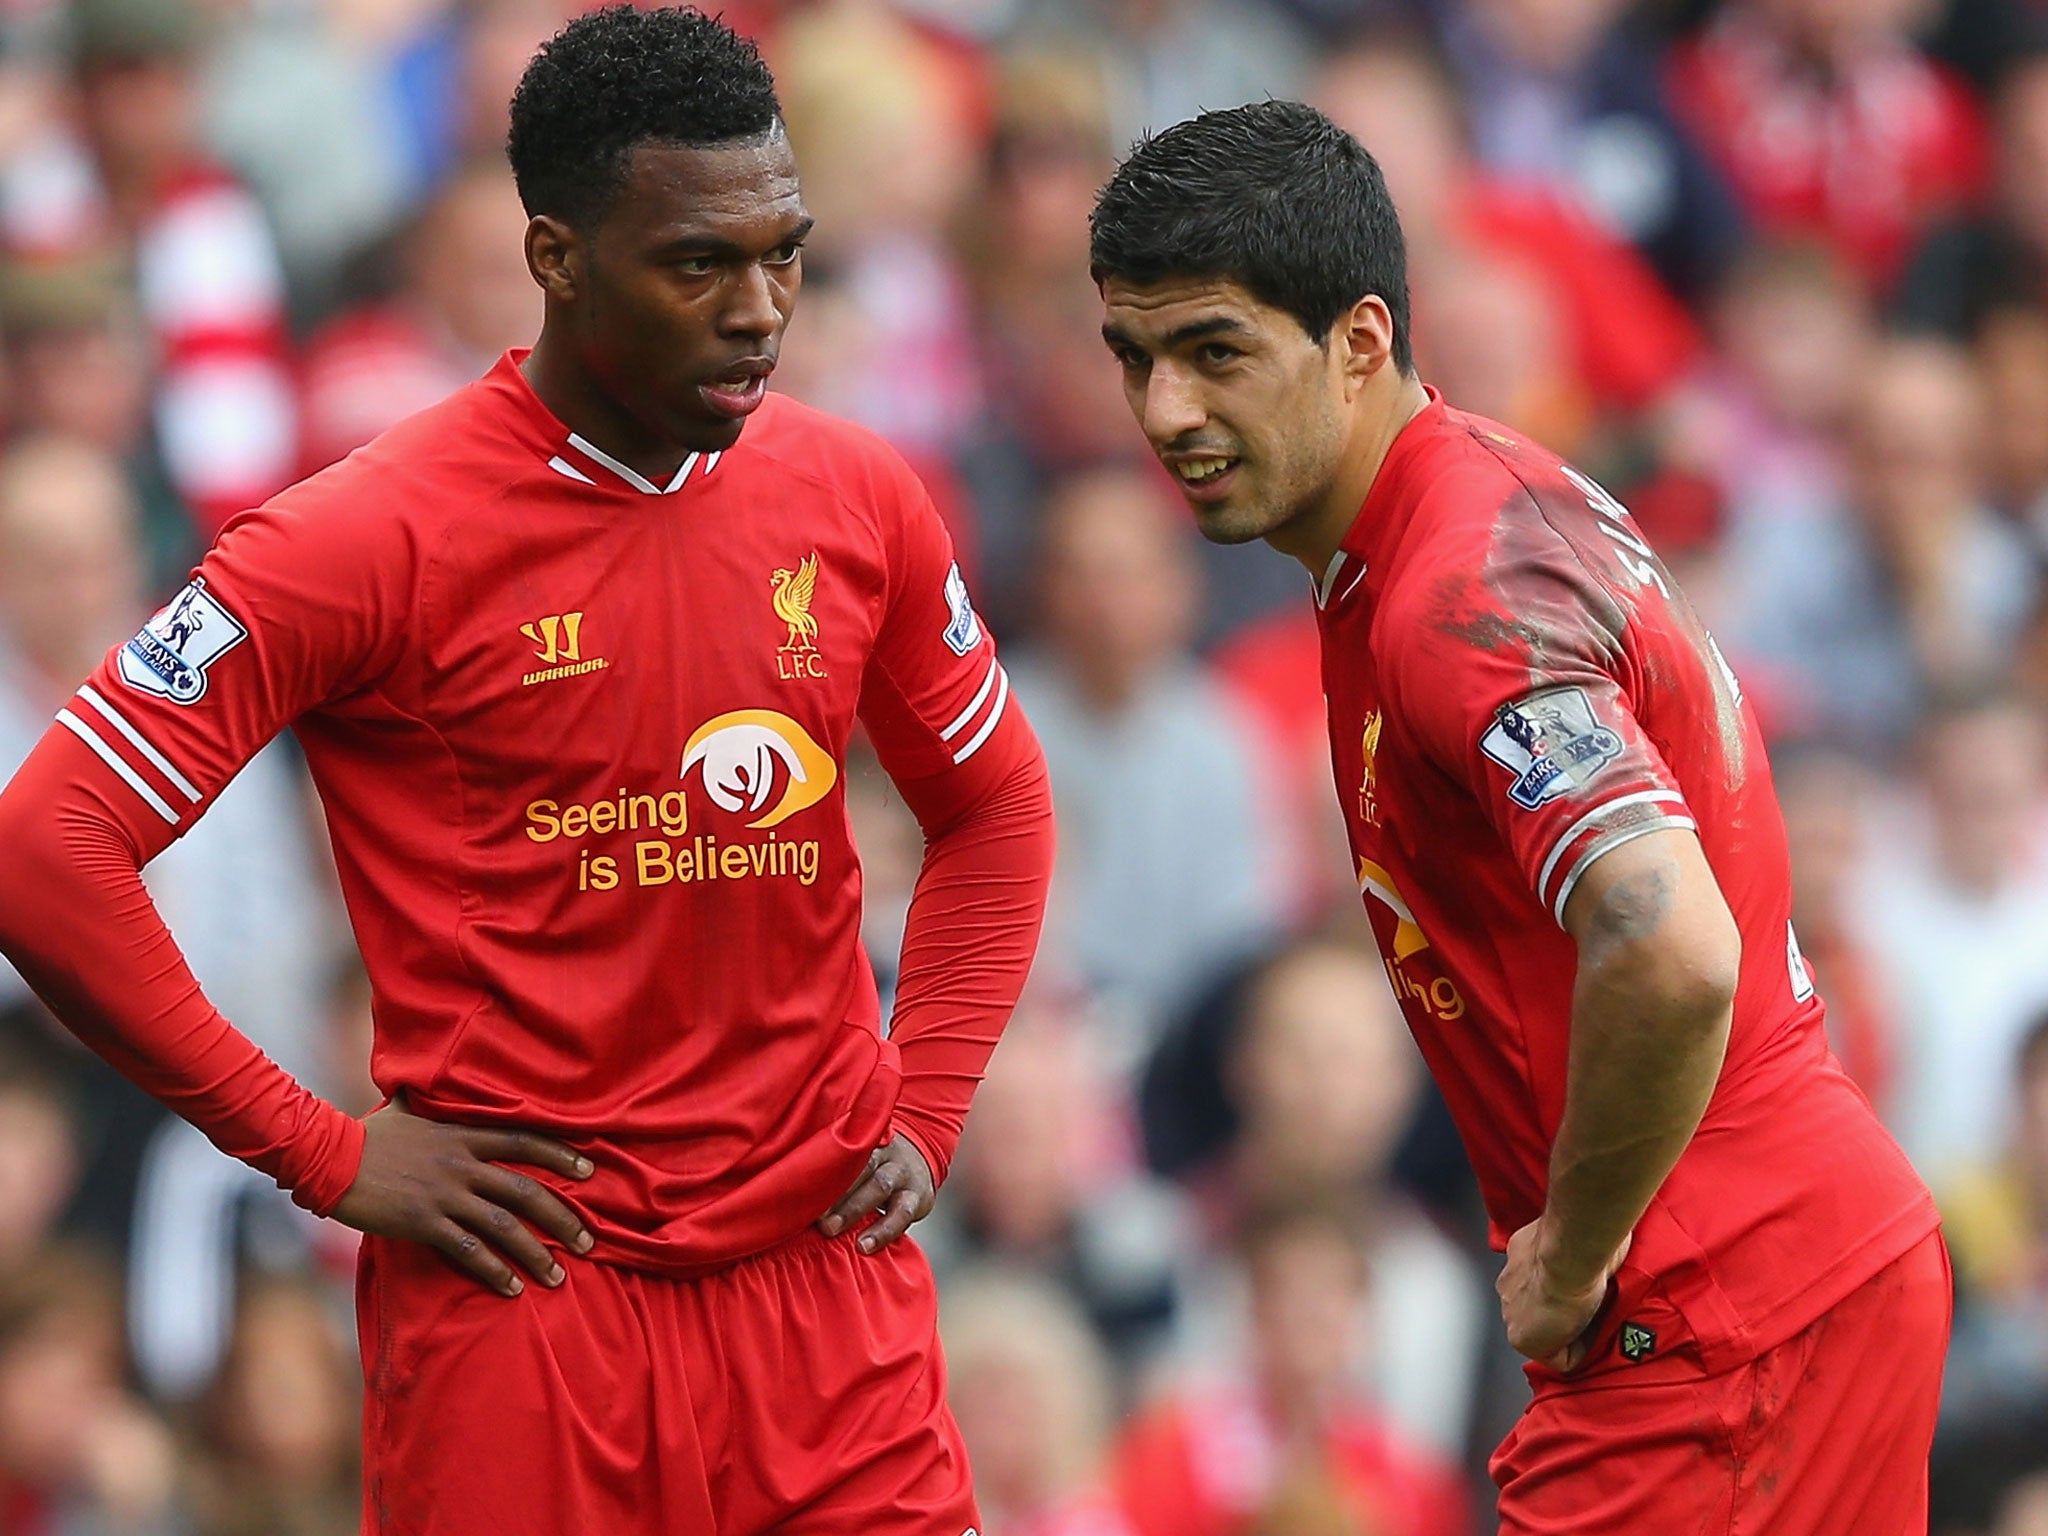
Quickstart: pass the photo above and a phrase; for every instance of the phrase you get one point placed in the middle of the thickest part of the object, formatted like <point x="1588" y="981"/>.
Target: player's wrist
<point x="1568" y="1268"/>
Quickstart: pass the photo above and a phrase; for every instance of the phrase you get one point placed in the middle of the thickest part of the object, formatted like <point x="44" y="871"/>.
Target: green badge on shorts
<point x="1637" y="1342"/>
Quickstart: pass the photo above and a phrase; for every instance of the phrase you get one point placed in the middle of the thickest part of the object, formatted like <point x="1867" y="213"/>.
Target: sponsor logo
<point x="1637" y="1342"/>
<point x="1436" y="995"/>
<point x="963" y="629"/>
<point x="752" y="756"/>
<point x="1552" y="744"/>
<point x="753" y="763"/>
<point x="171" y="654"/>
<point x="792" y="592"/>
<point x="1368" y="783"/>
<point x="558" y="642"/>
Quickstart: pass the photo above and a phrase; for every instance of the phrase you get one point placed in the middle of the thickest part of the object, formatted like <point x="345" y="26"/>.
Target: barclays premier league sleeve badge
<point x="1551" y="742"/>
<point x="170" y="656"/>
<point x="963" y="629"/>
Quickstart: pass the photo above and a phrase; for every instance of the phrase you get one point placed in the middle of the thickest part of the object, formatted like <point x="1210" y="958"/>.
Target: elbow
<point x="1687" y="983"/>
<point x="1682" y="969"/>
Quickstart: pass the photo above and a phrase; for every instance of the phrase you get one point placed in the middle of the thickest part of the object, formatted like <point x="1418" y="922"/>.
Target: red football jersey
<point x="580" y="741"/>
<point x="1515" y="687"/>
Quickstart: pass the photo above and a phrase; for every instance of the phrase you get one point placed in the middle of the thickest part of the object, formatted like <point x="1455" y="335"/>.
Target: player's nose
<point x="752" y="310"/>
<point x="1173" y="407"/>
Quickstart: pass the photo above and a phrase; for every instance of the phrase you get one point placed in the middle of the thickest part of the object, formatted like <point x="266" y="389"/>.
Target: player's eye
<point x="1216" y="353"/>
<point x="1131" y="359"/>
<point x="695" y="266"/>
<point x="785" y="253"/>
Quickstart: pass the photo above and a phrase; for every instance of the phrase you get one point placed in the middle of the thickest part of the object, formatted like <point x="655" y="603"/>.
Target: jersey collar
<point x="575" y="457"/>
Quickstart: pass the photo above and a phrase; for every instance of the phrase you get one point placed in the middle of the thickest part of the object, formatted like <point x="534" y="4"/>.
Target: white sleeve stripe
<point x="973" y="709"/>
<point x="1564" y="841"/>
<point x="1608" y="844"/>
<point x="161" y="763"/>
<point x="987" y="726"/>
<point x="107" y="755"/>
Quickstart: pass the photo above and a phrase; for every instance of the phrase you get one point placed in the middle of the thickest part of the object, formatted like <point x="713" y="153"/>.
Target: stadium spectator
<point x="70" y="578"/>
<point x="79" y="1455"/>
<point x="1826" y="799"/>
<point x="1567" y="95"/>
<point x="1163" y="60"/>
<point x="1323" y="1081"/>
<point x="1997" y="1224"/>
<point x="1051" y="407"/>
<point x="461" y="297"/>
<point x="39" y="1157"/>
<point x="294" y="102"/>
<point x="1588" y="324"/>
<point x="1907" y="582"/>
<point x="1156" y="791"/>
<point x="886" y="125"/>
<point x="242" y="894"/>
<point x="1970" y="267"/>
<point x="1953" y="917"/>
<point x="137" y="179"/>
<point x="2012" y="359"/>
<point x="78" y="366"/>
<point x="1828" y="122"/>
<point x="1044" y="1180"/>
<point x="278" y="1451"/>
<point x="1283" y="1442"/>
<point x="1034" y="1396"/>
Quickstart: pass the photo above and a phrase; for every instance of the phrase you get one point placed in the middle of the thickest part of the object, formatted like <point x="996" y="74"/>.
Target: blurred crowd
<point x="1775" y="271"/>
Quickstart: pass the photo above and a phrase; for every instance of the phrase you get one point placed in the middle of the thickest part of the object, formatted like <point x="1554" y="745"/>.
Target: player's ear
<point x="1366" y="335"/>
<point x="554" y="255"/>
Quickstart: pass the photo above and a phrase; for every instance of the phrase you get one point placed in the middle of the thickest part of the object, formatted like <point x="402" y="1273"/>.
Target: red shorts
<point x="1825" y="1435"/>
<point x="800" y="1392"/>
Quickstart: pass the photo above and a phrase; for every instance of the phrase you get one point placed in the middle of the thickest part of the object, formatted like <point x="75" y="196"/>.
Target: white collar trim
<point x="1329" y="579"/>
<point x="626" y="472"/>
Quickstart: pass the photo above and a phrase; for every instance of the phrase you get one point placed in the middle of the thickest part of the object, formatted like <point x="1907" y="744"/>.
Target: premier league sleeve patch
<point x="1551" y="742"/>
<point x="169" y="658"/>
<point x="963" y="629"/>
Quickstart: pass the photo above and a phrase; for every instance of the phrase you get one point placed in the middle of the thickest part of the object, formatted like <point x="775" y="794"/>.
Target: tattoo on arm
<point x="1636" y="906"/>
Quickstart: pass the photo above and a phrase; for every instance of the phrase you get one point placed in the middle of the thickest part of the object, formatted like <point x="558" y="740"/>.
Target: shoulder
<point x="1498" y="557"/>
<point x="401" y="493"/>
<point x="834" y="456"/>
<point x="1496" y="580"/>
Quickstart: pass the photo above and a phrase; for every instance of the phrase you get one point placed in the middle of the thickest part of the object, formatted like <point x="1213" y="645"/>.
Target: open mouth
<point x="738" y="393"/>
<point x="1206" y="477"/>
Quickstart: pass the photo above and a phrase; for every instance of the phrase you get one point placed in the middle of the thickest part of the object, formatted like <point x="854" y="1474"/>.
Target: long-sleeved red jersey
<point x="580" y="740"/>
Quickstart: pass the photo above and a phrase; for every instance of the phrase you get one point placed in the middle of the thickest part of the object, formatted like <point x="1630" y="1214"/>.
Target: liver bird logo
<point x="793" y="593"/>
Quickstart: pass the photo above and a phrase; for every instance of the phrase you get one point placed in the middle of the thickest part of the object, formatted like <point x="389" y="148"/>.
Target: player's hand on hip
<point x="1549" y="1318"/>
<point x="898" y="1183"/>
<point x="447" y="1186"/>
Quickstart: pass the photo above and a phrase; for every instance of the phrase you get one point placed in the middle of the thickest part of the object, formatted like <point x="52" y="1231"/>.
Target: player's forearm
<point x="968" y="944"/>
<point x="1651" y="1010"/>
<point x="77" y="922"/>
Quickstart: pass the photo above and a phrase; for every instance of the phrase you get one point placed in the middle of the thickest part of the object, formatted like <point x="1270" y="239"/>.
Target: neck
<point x="568" y="389"/>
<point x="1390" y="401"/>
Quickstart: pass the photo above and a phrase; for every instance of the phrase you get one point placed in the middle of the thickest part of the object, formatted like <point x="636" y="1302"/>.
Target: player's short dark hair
<point x="1273" y="196"/>
<point x="620" y="77"/>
